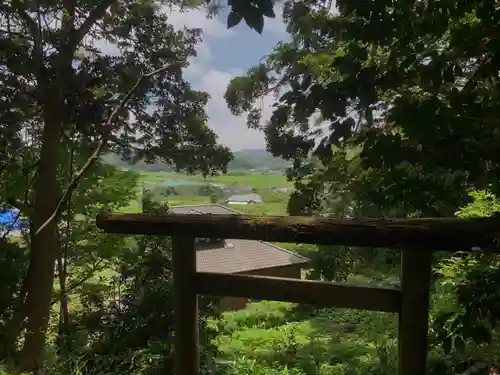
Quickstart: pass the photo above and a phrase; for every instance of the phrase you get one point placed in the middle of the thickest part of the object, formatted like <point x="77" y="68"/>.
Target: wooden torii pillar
<point x="416" y="238"/>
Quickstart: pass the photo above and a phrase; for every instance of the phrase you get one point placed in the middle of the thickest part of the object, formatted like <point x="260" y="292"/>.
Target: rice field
<point x="254" y="179"/>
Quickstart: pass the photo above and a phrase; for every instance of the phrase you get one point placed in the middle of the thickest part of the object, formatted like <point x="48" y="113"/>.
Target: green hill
<point x="257" y="159"/>
<point x="244" y="159"/>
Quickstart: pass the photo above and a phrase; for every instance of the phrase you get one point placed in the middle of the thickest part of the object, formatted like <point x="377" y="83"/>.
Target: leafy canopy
<point x="83" y="77"/>
<point x="164" y="117"/>
<point x="411" y="84"/>
<point x="252" y="11"/>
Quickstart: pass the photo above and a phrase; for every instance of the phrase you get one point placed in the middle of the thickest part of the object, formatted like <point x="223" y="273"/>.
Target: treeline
<point x="245" y="159"/>
<point x="116" y="161"/>
<point x="257" y="159"/>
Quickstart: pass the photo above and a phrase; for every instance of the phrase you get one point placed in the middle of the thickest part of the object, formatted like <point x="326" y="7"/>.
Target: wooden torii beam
<point x="416" y="238"/>
<point x="424" y="234"/>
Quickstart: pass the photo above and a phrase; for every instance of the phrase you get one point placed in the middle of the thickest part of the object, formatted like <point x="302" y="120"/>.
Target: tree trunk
<point x="44" y="245"/>
<point x="63" y="340"/>
<point x="15" y="324"/>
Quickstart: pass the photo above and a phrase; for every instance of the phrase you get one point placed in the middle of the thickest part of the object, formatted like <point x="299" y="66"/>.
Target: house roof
<point x="241" y="255"/>
<point x="245" y="198"/>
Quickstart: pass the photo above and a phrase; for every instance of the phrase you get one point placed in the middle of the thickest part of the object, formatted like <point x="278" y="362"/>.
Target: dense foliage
<point x="242" y="160"/>
<point x="64" y="100"/>
<point x="411" y="86"/>
<point x="382" y="108"/>
<point x="397" y="103"/>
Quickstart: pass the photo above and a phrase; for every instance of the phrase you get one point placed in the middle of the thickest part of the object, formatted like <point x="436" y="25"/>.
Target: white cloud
<point x="215" y="27"/>
<point x="276" y="25"/>
<point x="205" y="76"/>
<point x="197" y="19"/>
<point x="232" y="130"/>
<point x="107" y="47"/>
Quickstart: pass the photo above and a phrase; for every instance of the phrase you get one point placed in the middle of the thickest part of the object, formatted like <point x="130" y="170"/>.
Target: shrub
<point x="245" y="366"/>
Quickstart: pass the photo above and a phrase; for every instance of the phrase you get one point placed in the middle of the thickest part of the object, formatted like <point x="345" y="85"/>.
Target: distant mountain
<point x="140" y="166"/>
<point x="257" y="159"/>
<point x="244" y="159"/>
<point x="253" y="152"/>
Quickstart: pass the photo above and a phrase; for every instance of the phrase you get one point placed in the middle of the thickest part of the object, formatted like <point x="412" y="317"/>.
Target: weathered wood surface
<point x="186" y="338"/>
<point x="317" y="293"/>
<point x="426" y="234"/>
<point x="414" y="315"/>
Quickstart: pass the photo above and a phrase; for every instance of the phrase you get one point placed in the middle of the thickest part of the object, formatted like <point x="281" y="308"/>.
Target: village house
<point x="238" y="189"/>
<point x="247" y="257"/>
<point x="245" y="199"/>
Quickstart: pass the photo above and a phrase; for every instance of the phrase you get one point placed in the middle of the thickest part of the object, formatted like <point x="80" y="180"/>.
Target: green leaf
<point x="255" y="21"/>
<point x="459" y="344"/>
<point x="266" y="7"/>
<point x="455" y="324"/>
<point x="409" y="61"/>
<point x="288" y="97"/>
<point x="447" y="345"/>
<point x="340" y="53"/>
<point x="481" y="335"/>
<point x="233" y="19"/>
<point x="306" y="81"/>
<point x="100" y="92"/>
<point x="467" y="328"/>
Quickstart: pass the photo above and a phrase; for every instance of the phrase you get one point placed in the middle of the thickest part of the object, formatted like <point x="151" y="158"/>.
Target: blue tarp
<point x="8" y="220"/>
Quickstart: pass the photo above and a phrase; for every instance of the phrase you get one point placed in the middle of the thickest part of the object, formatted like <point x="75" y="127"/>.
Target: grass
<point x="281" y="333"/>
<point x="267" y="209"/>
<point x="275" y="201"/>
<point x="257" y="180"/>
<point x="135" y="205"/>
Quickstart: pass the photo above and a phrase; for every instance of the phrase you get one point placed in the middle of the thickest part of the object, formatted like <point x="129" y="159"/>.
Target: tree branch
<point x="98" y="151"/>
<point x="96" y="13"/>
<point x="30" y="22"/>
<point x="36" y="34"/>
<point x="75" y="284"/>
<point x="68" y="22"/>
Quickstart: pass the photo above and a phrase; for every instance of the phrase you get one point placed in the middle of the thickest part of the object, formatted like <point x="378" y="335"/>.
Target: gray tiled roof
<point x="214" y="209"/>
<point x="240" y="255"/>
<point x="245" y="198"/>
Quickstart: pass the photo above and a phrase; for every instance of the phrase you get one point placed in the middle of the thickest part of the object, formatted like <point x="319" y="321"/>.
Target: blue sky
<point x="223" y="55"/>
